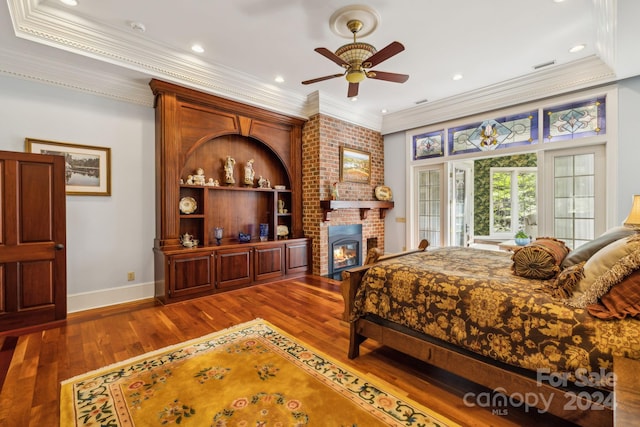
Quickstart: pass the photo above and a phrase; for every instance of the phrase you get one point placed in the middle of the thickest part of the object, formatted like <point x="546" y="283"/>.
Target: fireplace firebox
<point x="345" y="248"/>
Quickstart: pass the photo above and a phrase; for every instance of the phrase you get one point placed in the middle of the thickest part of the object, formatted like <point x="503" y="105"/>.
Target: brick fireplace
<point x="322" y="137"/>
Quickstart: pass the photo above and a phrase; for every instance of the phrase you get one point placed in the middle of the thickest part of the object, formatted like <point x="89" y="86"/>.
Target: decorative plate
<point x="383" y="193"/>
<point x="188" y="205"/>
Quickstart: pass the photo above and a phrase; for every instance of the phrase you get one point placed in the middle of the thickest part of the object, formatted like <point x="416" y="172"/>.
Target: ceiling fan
<point x="357" y="58"/>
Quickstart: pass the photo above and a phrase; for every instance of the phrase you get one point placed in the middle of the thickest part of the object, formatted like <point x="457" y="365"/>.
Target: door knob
<point x="59" y="246"/>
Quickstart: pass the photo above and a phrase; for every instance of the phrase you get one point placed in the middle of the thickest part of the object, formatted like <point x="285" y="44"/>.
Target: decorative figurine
<point x="228" y="170"/>
<point x="261" y="182"/>
<point x="249" y="173"/>
<point x="190" y="179"/>
<point x="213" y="183"/>
<point x="198" y="178"/>
<point x="334" y="191"/>
<point x="280" y="206"/>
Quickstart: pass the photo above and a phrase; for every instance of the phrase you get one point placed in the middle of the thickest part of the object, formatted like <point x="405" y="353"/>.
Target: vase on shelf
<point x="264" y="232"/>
<point x="217" y="232"/>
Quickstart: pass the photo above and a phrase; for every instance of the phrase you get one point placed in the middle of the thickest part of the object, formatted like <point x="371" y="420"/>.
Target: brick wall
<point x="322" y="137"/>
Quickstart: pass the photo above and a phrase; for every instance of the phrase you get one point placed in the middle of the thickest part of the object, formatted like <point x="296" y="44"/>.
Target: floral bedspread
<point x="470" y="298"/>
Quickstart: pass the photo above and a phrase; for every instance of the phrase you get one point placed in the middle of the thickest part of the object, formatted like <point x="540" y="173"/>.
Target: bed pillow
<point x="611" y="273"/>
<point x="605" y="259"/>
<point x="566" y="281"/>
<point x="539" y="259"/>
<point x="621" y="301"/>
<point x="586" y="250"/>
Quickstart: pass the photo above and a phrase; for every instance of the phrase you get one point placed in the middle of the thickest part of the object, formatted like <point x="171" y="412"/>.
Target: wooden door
<point x="33" y="276"/>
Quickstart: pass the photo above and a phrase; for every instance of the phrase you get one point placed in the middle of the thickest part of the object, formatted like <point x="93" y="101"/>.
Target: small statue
<point x="190" y="180"/>
<point x="249" y="173"/>
<point x="280" y="206"/>
<point x="213" y="183"/>
<point x="198" y="178"/>
<point x="334" y="191"/>
<point x="228" y="170"/>
<point x="261" y="182"/>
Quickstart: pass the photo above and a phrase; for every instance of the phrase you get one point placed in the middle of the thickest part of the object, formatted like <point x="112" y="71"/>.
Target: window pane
<point x="585" y="207"/>
<point x="584" y="229"/>
<point x="584" y="164"/>
<point x="564" y="187"/>
<point x="563" y="166"/>
<point x="584" y="186"/>
<point x="501" y="197"/>
<point x="564" y="207"/>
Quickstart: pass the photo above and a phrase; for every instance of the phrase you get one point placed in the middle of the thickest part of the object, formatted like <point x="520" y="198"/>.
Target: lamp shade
<point x="633" y="220"/>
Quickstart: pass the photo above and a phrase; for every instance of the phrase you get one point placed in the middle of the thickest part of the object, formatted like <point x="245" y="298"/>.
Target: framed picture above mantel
<point x="355" y="165"/>
<point x="87" y="168"/>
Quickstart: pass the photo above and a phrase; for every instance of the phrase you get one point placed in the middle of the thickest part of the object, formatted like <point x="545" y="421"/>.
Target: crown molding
<point x="40" y="23"/>
<point x="560" y="79"/>
<point x="57" y="73"/>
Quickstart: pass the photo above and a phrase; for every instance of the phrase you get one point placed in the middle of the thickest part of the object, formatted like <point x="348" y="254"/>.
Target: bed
<point x="547" y="341"/>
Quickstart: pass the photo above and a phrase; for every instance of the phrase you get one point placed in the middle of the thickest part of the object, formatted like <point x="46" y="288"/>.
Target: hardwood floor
<point x="309" y="309"/>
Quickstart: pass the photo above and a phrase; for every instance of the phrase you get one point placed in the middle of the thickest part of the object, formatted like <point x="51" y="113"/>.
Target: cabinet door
<point x="297" y="257"/>
<point x="234" y="267"/>
<point x="190" y="273"/>
<point x="269" y="261"/>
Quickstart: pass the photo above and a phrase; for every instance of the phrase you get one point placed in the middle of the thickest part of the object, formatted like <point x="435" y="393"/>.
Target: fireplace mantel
<point x="364" y="206"/>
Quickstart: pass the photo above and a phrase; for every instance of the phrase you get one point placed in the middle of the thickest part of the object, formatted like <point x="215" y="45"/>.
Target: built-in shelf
<point x="363" y="205"/>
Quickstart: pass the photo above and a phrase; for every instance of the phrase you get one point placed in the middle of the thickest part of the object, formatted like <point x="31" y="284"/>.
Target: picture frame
<point x="355" y="165"/>
<point x="87" y="168"/>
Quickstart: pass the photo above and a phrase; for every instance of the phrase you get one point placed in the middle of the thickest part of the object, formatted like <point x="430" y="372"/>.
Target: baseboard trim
<point x="106" y="297"/>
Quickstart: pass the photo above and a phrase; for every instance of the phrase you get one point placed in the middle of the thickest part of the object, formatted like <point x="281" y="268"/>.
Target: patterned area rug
<point x="250" y="375"/>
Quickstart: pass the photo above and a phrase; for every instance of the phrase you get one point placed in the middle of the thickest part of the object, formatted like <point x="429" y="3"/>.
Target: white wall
<point x="628" y="144"/>
<point x="106" y="236"/>
<point x="395" y="176"/>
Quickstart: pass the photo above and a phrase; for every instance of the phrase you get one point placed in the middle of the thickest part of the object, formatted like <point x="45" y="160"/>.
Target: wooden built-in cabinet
<point x="196" y="130"/>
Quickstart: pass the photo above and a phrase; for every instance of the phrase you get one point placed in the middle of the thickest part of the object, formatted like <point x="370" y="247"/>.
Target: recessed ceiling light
<point x="383" y="111"/>
<point x="279" y="79"/>
<point x="197" y="48"/>
<point x="70" y="2"/>
<point x="577" y="48"/>
<point x="457" y="76"/>
<point x="558" y="1"/>
<point x="354" y="99"/>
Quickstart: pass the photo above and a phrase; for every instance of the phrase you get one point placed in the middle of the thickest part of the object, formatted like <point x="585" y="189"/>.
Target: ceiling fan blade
<point x="353" y="90"/>
<point x="384" y="54"/>
<point x="320" y="79"/>
<point x="390" y="77"/>
<point x="332" y="56"/>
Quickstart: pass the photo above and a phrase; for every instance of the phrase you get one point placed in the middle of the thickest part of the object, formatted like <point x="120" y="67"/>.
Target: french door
<point x="575" y="186"/>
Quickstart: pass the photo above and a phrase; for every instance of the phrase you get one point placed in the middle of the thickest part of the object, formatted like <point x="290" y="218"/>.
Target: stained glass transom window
<point x="428" y="145"/>
<point x="576" y="120"/>
<point x="494" y="134"/>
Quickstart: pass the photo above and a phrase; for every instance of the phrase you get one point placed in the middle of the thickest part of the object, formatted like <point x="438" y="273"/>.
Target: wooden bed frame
<point x="462" y="363"/>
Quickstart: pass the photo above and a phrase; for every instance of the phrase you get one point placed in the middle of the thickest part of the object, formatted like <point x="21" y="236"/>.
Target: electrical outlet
<point x="131" y="276"/>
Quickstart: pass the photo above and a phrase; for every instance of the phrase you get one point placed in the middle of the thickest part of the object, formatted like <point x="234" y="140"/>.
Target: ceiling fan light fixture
<point x="355" y="76"/>
<point x="355" y="53"/>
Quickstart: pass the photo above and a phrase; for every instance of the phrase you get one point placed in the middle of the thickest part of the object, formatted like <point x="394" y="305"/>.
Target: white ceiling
<point x="494" y="44"/>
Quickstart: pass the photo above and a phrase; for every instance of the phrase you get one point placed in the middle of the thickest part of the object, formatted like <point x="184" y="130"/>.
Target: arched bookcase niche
<point x="198" y="130"/>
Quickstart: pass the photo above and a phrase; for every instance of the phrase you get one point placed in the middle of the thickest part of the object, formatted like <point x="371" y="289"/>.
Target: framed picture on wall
<point x="87" y="168"/>
<point x="355" y="165"/>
